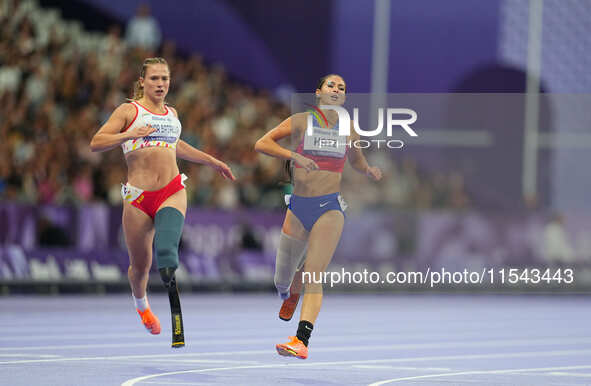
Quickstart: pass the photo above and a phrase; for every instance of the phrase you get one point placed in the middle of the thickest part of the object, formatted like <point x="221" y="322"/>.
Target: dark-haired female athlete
<point x="314" y="218"/>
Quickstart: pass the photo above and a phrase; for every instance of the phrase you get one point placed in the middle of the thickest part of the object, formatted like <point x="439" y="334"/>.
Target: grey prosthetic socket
<point x="168" y="224"/>
<point x="290" y="257"/>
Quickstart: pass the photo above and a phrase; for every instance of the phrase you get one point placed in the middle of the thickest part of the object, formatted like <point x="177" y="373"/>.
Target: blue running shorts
<point x="309" y="209"/>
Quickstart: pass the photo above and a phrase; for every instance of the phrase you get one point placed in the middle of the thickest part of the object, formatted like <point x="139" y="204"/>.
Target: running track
<point x="358" y="340"/>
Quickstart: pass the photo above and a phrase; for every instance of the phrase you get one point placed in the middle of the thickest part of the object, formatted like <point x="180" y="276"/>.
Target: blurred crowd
<point x="59" y="83"/>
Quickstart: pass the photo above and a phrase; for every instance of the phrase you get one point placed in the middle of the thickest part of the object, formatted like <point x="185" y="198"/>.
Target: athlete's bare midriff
<point x="151" y="168"/>
<point x="315" y="183"/>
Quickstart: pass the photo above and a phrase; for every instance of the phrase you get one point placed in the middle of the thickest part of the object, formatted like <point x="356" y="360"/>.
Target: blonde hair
<point x="138" y="89"/>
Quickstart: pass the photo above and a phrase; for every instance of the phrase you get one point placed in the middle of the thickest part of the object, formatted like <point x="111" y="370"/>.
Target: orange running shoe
<point x="293" y="348"/>
<point x="150" y="321"/>
<point x="288" y="307"/>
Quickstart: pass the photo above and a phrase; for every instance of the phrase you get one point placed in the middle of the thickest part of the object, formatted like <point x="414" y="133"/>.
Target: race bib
<point x="325" y="143"/>
<point x="168" y="128"/>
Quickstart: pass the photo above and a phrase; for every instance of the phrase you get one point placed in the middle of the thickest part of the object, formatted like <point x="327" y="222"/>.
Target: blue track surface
<point x="358" y="340"/>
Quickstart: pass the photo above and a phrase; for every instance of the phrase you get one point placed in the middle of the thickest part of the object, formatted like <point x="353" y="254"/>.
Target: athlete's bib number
<point x="326" y="143"/>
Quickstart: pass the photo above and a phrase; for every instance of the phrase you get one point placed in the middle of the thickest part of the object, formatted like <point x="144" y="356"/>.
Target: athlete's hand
<point x="140" y="132"/>
<point x="224" y="170"/>
<point x="374" y="173"/>
<point x="304" y="162"/>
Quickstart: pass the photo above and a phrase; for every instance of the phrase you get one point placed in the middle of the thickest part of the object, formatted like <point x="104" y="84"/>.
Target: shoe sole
<point x="288" y="352"/>
<point x="153" y="331"/>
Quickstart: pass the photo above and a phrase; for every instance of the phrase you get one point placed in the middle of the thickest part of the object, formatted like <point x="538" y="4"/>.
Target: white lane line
<point x="133" y="381"/>
<point x="466" y="330"/>
<point x="270" y="351"/>
<point x="142" y="357"/>
<point x="477" y="372"/>
<point x="247" y="340"/>
<point x="196" y="361"/>
<point x="66" y="336"/>
<point x="175" y="383"/>
<point x="399" y="346"/>
<point x="233" y="338"/>
<point x="139" y="331"/>
<point x="386" y="367"/>
<point x="558" y="373"/>
<point x="30" y="355"/>
<point x="83" y="346"/>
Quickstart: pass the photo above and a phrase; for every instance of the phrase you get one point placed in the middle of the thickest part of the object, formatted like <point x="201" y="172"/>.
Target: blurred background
<point x="503" y="185"/>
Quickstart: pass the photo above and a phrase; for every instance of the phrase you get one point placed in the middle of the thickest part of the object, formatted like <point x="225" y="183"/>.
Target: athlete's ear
<point x="141" y="81"/>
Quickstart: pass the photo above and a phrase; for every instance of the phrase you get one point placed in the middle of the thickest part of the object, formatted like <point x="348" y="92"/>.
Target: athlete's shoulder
<point x="300" y="117"/>
<point x="173" y="110"/>
<point x="126" y="109"/>
<point x="298" y="122"/>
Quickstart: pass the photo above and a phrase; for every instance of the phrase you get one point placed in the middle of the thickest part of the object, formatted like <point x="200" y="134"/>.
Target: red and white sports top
<point x="324" y="146"/>
<point x="167" y="134"/>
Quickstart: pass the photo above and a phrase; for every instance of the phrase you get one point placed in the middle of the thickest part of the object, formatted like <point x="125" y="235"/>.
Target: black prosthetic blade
<point x="178" y="332"/>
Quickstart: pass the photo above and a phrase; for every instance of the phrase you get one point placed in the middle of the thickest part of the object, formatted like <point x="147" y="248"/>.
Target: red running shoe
<point x="150" y="321"/>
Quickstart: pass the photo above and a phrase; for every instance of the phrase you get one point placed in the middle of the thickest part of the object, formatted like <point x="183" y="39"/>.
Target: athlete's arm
<point x="189" y="153"/>
<point x="110" y="135"/>
<point x="268" y="145"/>
<point x="358" y="162"/>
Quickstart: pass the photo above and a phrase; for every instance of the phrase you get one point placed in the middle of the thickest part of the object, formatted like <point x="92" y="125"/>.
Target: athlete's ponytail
<point x="138" y="89"/>
<point x="288" y="169"/>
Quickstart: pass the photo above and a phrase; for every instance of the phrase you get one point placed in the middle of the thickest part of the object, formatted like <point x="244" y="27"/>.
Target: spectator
<point x="55" y="93"/>
<point x="143" y="30"/>
<point x="557" y="248"/>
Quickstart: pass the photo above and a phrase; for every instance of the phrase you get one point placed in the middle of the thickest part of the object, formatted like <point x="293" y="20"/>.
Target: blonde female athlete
<point x="155" y="200"/>
<point x="314" y="218"/>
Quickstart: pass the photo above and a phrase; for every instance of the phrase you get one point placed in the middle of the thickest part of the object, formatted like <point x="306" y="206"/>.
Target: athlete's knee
<point x="139" y="270"/>
<point x="290" y="254"/>
<point x="168" y="224"/>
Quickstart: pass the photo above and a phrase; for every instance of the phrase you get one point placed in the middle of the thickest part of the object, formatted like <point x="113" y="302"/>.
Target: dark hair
<point x="288" y="169"/>
<point x="324" y="78"/>
<point x="138" y="89"/>
<point x="322" y="81"/>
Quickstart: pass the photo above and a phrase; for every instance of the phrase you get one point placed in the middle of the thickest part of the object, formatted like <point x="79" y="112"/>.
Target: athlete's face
<point x="332" y="91"/>
<point x="156" y="81"/>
